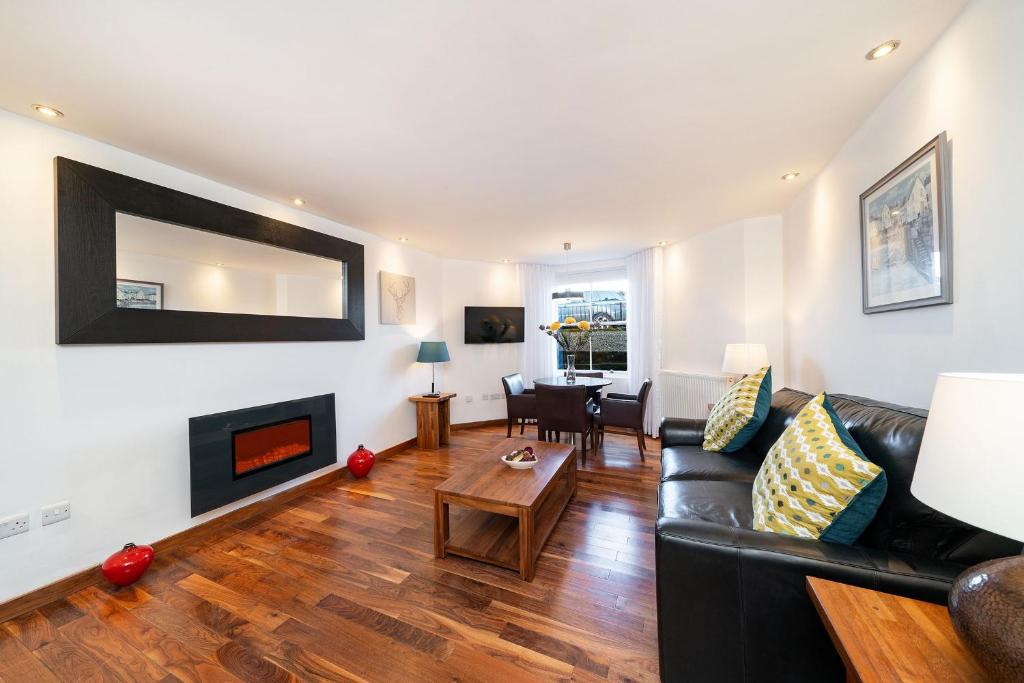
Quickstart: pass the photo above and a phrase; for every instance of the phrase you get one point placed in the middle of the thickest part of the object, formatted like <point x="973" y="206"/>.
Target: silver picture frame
<point x="905" y="234"/>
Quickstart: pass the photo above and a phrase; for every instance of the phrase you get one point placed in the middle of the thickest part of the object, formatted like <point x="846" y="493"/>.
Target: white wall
<point x="723" y="286"/>
<point x="476" y="369"/>
<point x="106" y="426"/>
<point x="970" y="84"/>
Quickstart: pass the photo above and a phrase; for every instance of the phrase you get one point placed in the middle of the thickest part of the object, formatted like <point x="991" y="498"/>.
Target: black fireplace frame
<point x="211" y="450"/>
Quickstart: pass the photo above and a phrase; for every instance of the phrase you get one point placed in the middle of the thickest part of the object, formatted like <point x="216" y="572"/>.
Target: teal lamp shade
<point x="433" y="352"/>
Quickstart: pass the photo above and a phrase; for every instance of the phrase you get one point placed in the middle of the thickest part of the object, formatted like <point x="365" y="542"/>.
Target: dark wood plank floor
<point x="341" y="584"/>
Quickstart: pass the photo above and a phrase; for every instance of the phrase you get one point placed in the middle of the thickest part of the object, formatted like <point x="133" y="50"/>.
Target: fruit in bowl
<point x="520" y="459"/>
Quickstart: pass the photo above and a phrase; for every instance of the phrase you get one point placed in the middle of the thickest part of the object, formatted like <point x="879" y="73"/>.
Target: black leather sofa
<point x="733" y="602"/>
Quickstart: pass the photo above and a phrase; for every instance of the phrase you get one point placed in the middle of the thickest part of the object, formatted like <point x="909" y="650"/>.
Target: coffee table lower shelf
<point x="494" y="533"/>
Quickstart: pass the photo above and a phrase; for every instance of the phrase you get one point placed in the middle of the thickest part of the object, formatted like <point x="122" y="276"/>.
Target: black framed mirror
<point x="141" y="263"/>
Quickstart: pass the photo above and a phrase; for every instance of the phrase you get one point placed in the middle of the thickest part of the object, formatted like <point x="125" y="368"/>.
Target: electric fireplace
<point x="256" y="448"/>
<point x="242" y="452"/>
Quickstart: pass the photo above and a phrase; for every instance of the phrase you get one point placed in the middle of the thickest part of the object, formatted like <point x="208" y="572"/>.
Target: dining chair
<point x="595" y="394"/>
<point x="565" y="409"/>
<point x="520" y="402"/>
<point x="626" y="410"/>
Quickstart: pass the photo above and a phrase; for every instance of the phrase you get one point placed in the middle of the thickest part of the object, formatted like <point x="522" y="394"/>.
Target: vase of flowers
<point x="572" y="336"/>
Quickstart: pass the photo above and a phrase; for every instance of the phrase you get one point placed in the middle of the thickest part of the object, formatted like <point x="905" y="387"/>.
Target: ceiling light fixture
<point x="506" y="260"/>
<point x="403" y="240"/>
<point x="662" y="243"/>
<point x="299" y="201"/>
<point x="886" y="48"/>
<point x="48" y="111"/>
<point x="792" y="175"/>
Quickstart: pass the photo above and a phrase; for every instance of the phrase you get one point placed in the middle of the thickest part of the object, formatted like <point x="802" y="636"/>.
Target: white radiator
<point x="688" y="394"/>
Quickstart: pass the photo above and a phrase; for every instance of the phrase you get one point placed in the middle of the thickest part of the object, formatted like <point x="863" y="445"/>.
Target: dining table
<point x="593" y="384"/>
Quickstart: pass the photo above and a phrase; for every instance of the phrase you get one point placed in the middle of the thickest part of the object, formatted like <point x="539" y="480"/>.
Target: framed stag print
<point x="906" y="257"/>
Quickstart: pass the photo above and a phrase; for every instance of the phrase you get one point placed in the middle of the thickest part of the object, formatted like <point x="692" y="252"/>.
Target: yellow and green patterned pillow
<point x="740" y="413"/>
<point x="816" y="482"/>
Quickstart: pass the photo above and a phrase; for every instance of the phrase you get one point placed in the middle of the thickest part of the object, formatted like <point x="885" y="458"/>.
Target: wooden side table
<point x="433" y="420"/>
<point x="883" y="637"/>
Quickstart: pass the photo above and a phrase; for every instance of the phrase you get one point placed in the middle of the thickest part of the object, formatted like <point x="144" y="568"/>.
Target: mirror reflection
<point x="166" y="266"/>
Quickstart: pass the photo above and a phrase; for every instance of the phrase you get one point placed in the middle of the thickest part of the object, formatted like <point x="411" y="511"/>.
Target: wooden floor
<point x="341" y="584"/>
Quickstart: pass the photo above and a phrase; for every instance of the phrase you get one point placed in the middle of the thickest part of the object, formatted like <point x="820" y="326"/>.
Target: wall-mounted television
<point x="494" y="324"/>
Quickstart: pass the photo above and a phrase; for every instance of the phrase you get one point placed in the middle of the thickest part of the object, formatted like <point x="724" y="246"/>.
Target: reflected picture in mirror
<point x="188" y="269"/>
<point x="137" y="294"/>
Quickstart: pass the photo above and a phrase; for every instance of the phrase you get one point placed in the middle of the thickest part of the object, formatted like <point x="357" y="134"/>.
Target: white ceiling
<point x="479" y="129"/>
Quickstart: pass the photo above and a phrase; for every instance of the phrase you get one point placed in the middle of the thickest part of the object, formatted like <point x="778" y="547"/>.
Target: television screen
<point x="494" y="324"/>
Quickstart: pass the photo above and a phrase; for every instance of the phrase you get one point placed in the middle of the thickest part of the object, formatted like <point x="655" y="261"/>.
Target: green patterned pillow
<point x="740" y="413"/>
<point x="816" y="482"/>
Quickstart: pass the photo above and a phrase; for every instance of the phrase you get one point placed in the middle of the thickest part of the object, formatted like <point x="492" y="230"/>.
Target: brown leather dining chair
<point x="595" y="394"/>
<point x="520" y="402"/>
<point x="565" y="409"/>
<point x="626" y="410"/>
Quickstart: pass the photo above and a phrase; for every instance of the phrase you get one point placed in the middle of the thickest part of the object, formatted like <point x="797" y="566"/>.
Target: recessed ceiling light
<point x="299" y="201"/>
<point x="48" y="111"/>
<point x="886" y="48"/>
<point x="506" y="260"/>
<point x="403" y="240"/>
<point x="220" y="264"/>
<point x="662" y="243"/>
<point x="792" y="175"/>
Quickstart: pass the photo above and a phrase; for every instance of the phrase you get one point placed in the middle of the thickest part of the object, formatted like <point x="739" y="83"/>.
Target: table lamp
<point x="971" y="467"/>
<point x="744" y="359"/>
<point x="433" y="352"/>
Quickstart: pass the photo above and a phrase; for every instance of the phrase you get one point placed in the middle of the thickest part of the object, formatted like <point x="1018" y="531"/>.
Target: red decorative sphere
<point x="360" y="462"/>
<point x="126" y="565"/>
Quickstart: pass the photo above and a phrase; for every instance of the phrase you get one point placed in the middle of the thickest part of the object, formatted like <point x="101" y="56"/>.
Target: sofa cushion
<point x="717" y="502"/>
<point x="695" y="463"/>
<point x="816" y="482"/>
<point x="740" y="413"/>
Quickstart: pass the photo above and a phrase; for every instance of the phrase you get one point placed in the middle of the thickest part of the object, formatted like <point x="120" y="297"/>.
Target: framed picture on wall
<point x="140" y="294"/>
<point x="906" y="251"/>
<point x="397" y="299"/>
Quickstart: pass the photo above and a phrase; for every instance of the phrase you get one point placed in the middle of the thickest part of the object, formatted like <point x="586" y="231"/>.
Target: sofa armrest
<point x="733" y="603"/>
<point x="624" y="397"/>
<point x="681" y="431"/>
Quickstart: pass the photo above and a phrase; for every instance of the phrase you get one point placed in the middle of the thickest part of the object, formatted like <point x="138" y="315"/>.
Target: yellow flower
<point x="555" y="325"/>
<point x="584" y="325"/>
<point x="570" y="320"/>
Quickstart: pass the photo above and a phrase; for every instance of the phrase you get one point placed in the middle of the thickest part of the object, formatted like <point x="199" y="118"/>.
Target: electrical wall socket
<point x="14" y="525"/>
<point x="469" y="398"/>
<point x="495" y="397"/>
<point x="57" y="512"/>
<point x="485" y="397"/>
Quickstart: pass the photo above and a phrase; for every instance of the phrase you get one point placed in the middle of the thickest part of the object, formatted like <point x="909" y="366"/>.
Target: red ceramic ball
<point x="128" y="564"/>
<point x="360" y="462"/>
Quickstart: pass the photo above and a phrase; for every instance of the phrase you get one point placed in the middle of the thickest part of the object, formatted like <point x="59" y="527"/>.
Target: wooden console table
<point x="433" y="420"/>
<point x="883" y="637"/>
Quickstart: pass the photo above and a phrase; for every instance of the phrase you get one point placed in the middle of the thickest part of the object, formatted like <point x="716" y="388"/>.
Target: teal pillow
<point x="816" y="481"/>
<point x="738" y="415"/>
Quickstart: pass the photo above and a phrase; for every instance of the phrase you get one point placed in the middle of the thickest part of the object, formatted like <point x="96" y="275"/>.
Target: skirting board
<point x="480" y="423"/>
<point x="88" y="577"/>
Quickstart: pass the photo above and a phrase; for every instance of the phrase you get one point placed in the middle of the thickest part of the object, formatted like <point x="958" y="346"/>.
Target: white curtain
<point x="643" y="332"/>
<point x="536" y="282"/>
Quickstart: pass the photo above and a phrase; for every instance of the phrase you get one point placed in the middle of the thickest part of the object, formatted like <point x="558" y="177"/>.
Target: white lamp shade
<point x="744" y="359"/>
<point x="971" y="464"/>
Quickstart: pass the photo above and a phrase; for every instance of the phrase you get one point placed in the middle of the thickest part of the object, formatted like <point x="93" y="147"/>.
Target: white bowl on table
<point x="519" y="464"/>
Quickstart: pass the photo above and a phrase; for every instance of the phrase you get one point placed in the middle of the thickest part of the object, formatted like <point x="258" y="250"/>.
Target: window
<point x="603" y="299"/>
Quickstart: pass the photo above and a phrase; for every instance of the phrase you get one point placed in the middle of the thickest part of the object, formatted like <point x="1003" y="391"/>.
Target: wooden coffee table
<point x="508" y="514"/>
